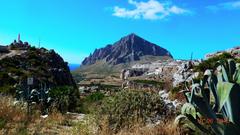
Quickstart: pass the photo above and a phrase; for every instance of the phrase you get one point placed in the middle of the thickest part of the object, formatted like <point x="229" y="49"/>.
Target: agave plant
<point x="40" y="96"/>
<point x="216" y="99"/>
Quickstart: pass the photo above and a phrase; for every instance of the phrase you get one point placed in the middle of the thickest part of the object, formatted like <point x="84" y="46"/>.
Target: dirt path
<point x="12" y="53"/>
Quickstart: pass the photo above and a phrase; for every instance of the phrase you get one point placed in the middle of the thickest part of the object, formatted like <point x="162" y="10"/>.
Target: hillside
<point x="23" y="61"/>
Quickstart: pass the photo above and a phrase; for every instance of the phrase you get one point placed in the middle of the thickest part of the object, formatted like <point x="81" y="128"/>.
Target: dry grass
<point x="163" y="128"/>
<point x="13" y="118"/>
<point x="9" y="112"/>
<point x="15" y="121"/>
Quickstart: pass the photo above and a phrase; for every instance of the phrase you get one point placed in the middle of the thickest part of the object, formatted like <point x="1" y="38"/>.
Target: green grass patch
<point x="3" y="122"/>
<point x="152" y="82"/>
<point x="91" y="103"/>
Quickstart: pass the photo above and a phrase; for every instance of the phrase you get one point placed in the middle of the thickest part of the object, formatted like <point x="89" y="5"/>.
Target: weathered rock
<point x="126" y="73"/>
<point x="171" y="104"/>
<point x="185" y="73"/>
<point x="175" y="71"/>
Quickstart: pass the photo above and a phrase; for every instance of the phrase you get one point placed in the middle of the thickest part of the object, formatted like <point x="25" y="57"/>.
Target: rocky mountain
<point x="45" y="66"/>
<point x="128" y="49"/>
<point x="105" y="64"/>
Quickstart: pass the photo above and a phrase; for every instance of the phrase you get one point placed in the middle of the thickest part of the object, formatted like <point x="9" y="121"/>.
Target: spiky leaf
<point x="223" y="91"/>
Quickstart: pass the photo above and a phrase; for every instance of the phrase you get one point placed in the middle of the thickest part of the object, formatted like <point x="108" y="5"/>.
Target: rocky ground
<point x="174" y="71"/>
<point x="12" y="53"/>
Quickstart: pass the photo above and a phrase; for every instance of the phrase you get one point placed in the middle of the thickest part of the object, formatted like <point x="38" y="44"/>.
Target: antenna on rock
<point x="191" y="56"/>
<point x="39" y="42"/>
<point x="19" y="38"/>
<point x="191" y="61"/>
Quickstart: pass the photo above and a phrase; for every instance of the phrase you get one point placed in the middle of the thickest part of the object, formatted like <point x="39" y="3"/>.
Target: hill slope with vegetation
<point x="47" y="69"/>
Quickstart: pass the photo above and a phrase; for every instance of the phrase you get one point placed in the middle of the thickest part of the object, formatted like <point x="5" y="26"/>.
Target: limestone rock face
<point x="127" y="49"/>
<point x="126" y="73"/>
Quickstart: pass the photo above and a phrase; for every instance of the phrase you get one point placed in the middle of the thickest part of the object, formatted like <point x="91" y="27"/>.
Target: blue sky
<point x="74" y="28"/>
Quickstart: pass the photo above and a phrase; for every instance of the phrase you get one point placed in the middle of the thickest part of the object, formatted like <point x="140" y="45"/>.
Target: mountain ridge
<point x="128" y="49"/>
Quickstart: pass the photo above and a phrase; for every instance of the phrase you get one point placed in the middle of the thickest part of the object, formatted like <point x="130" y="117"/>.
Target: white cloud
<point x="150" y="10"/>
<point x="225" y="6"/>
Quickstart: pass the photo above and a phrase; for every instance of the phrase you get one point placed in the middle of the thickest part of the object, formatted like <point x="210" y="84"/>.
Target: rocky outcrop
<point x="172" y="105"/>
<point x="185" y="73"/>
<point x="126" y="73"/>
<point x="174" y="71"/>
<point x="127" y="49"/>
<point x="45" y="66"/>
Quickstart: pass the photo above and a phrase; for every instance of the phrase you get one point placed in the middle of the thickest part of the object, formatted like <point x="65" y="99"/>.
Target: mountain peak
<point x="132" y="36"/>
<point x="128" y="49"/>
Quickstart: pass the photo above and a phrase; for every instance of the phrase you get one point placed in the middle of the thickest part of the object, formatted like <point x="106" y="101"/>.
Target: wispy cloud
<point x="234" y="5"/>
<point x="150" y="10"/>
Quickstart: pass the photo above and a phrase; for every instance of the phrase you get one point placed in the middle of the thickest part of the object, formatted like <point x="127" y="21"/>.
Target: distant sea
<point x="73" y="66"/>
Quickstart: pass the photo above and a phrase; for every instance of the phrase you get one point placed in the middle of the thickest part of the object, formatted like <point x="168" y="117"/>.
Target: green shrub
<point x="7" y="89"/>
<point x="95" y="97"/>
<point x="32" y="48"/>
<point x="91" y="103"/>
<point x="211" y="62"/>
<point x="128" y="107"/>
<point x="65" y="97"/>
<point x="177" y="89"/>
<point x="6" y="79"/>
<point x="152" y="82"/>
<point x="2" y="123"/>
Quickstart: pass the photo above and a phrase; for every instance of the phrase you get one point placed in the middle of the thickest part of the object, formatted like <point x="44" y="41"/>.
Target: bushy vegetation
<point x="65" y="98"/>
<point x="97" y="96"/>
<point x="129" y="107"/>
<point x="6" y="79"/>
<point x="14" y="120"/>
<point x="175" y="92"/>
<point x="91" y="103"/>
<point x="7" y="89"/>
<point x="211" y="62"/>
<point x="46" y="67"/>
<point x="40" y="63"/>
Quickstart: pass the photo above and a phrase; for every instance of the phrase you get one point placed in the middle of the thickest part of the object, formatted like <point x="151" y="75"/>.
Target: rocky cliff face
<point x="43" y="65"/>
<point x="127" y="49"/>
